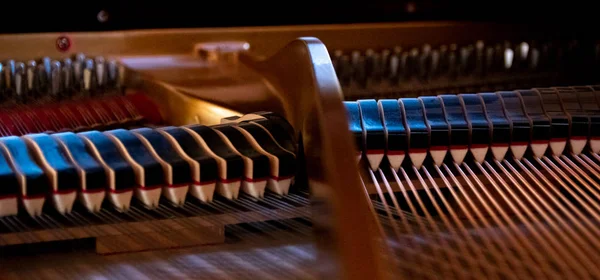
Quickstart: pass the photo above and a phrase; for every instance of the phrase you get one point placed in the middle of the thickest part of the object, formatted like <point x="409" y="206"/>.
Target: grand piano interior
<point x="142" y="140"/>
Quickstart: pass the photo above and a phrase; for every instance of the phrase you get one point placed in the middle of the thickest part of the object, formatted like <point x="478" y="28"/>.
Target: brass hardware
<point x="223" y="52"/>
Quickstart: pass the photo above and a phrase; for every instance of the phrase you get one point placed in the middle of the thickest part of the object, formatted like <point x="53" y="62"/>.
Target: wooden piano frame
<point x="285" y="72"/>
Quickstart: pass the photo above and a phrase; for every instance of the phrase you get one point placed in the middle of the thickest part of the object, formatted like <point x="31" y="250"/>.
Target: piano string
<point x="501" y="185"/>
<point x="437" y="243"/>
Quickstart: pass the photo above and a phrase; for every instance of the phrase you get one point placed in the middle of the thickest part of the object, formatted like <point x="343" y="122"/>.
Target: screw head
<point x="102" y="16"/>
<point x="63" y="43"/>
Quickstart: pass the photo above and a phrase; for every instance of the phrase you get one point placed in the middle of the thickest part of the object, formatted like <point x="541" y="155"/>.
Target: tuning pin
<point x="67" y="75"/>
<point x="80" y="57"/>
<point x="403" y="66"/>
<point x="20" y="82"/>
<point x="463" y="60"/>
<point x="88" y="76"/>
<point x="100" y="71"/>
<point x="369" y="65"/>
<point x="489" y="59"/>
<point x="508" y="56"/>
<point x="77" y="72"/>
<point x="47" y="62"/>
<point x="41" y="79"/>
<point x="377" y="67"/>
<point x="533" y="57"/>
<point x="369" y="62"/>
<point x="9" y="78"/>
<point x="354" y="58"/>
<point x="335" y="60"/>
<point x="471" y="60"/>
<point x="452" y="61"/>
<point x="521" y="56"/>
<point x="434" y="65"/>
<point x="113" y="73"/>
<point x="121" y="79"/>
<point x="424" y="62"/>
<point x="2" y="82"/>
<point x="523" y="50"/>
<point x="345" y="71"/>
<point x="78" y="65"/>
<point x="31" y="78"/>
<point x="498" y="57"/>
<point x="443" y="64"/>
<point x="385" y="62"/>
<point x="9" y="74"/>
<point x="412" y="63"/>
<point x="55" y="79"/>
<point x="394" y="64"/>
<point x="479" y="57"/>
<point x="360" y="74"/>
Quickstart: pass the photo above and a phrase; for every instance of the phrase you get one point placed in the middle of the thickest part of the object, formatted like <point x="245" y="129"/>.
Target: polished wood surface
<point x="295" y="79"/>
<point x="312" y="98"/>
<point x="262" y="40"/>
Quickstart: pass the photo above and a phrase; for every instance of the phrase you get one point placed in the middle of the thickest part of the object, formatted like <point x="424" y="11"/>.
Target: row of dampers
<point x="147" y="163"/>
<point x="540" y="120"/>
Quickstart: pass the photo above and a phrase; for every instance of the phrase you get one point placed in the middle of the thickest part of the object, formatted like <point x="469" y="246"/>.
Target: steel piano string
<point x="500" y="185"/>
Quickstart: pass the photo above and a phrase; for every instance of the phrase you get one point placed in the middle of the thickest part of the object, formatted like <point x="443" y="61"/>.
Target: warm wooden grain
<point x="263" y="40"/>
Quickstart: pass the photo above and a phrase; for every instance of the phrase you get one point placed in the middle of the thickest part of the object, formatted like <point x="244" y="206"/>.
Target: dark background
<point x="61" y="16"/>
